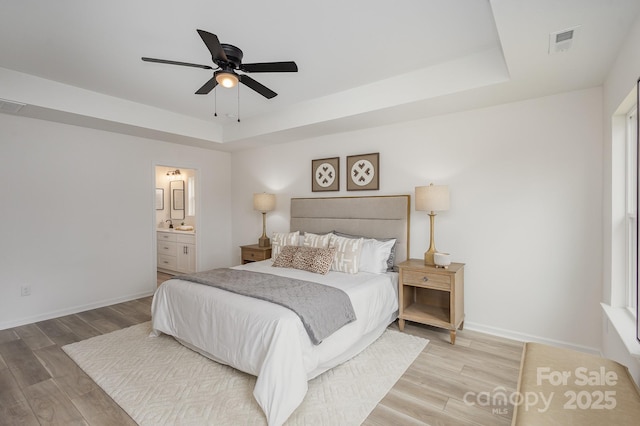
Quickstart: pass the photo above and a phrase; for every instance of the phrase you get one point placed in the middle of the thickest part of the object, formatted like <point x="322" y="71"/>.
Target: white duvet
<point x="268" y="340"/>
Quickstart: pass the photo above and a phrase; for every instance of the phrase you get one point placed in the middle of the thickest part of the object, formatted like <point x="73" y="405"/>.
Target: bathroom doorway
<point x="175" y="219"/>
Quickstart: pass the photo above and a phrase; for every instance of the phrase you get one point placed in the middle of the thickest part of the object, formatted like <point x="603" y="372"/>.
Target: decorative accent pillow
<point x="285" y="258"/>
<point x="316" y="240"/>
<point x="281" y="239"/>
<point x="392" y="256"/>
<point x="374" y="255"/>
<point x="313" y="259"/>
<point x="347" y="257"/>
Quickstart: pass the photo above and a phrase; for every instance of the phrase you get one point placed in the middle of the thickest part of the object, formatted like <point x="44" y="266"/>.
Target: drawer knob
<point x="425" y="279"/>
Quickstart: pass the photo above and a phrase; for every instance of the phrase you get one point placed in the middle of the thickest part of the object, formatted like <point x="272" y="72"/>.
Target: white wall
<point x="78" y="209"/>
<point x="526" y="195"/>
<point x="620" y="81"/>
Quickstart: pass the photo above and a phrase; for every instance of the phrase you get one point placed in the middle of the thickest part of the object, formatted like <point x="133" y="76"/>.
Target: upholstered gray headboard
<point x="384" y="216"/>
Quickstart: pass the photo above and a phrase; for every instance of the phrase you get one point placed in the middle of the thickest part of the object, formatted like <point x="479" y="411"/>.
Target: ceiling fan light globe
<point x="227" y="80"/>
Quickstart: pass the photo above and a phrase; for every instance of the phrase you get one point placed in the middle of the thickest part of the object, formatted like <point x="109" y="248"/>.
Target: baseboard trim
<point x="523" y="337"/>
<point x="73" y="310"/>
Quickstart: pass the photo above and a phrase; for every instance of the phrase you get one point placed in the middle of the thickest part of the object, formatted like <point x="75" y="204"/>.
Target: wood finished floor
<point x="41" y="385"/>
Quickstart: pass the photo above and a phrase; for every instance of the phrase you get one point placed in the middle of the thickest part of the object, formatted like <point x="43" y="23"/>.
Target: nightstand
<point x="432" y="296"/>
<point x="254" y="253"/>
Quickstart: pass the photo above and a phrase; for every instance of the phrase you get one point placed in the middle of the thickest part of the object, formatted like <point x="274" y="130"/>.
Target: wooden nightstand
<point x="432" y="296"/>
<point x="253" y="253"/>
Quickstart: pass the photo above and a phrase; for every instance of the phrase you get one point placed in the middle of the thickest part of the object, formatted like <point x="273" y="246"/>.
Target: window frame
<point x="631" y="210"/>
<point x="630" y="294"/>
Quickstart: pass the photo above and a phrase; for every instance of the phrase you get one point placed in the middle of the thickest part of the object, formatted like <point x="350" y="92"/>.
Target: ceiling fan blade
<point x="207" y="87"/>
<point x="288" y="66"/>
<point x="258" y="87"/>
<point x="186" y="64"/>
<point x="213" y="44"/>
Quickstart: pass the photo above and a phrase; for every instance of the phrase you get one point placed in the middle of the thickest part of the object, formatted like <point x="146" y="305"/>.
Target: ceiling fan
<point x="228" y="59"/>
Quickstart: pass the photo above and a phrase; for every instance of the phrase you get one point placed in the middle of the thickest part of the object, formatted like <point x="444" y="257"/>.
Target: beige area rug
<point x="160" y="382"/>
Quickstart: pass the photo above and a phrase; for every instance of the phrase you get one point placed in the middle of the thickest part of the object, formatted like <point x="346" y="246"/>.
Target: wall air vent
<point x="10" y="106"/>
<point x="561" y="41"/>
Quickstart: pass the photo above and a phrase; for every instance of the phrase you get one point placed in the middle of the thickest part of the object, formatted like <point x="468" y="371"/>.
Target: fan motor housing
<point x="234" y="54"/>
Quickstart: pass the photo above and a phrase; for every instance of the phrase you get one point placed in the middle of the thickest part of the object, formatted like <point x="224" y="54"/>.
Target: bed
<point x="270" y="341"/>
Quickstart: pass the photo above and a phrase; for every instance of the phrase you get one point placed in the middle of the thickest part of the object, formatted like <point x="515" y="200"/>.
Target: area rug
<point x="158" y="381"/>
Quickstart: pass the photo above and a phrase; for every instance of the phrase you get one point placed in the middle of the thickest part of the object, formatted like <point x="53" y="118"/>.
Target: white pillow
<point x="281" y="239"/>
<point x="374" y="255"/>
<point x="316" y="240"/>
<point x="347" y="257"/>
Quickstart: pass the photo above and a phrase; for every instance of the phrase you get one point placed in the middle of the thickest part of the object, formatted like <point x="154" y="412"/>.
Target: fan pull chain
<point x="215" y="103"/>
<point x="238" y="103"/>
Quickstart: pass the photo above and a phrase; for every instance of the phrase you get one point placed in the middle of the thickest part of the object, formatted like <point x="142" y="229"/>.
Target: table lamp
<point x="432" y="198"/>
<point x="264" y="203"/>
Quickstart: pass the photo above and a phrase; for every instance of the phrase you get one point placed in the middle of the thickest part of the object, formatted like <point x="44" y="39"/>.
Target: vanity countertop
<point x="176" y="231"/>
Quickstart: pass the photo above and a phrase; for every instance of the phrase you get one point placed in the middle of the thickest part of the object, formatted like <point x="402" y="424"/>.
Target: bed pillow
<point x="285" y="258"/>
<point x="313" y="259"/>
<point x="316" y="240"/>
<point x="392" y="256"/>
<point x="282" y="239"/>
<point x="347" y="257"/>
<point x="374" y="255"/>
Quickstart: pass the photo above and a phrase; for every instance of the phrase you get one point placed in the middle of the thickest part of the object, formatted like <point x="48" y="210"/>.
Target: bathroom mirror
<point x="176" y="189"/>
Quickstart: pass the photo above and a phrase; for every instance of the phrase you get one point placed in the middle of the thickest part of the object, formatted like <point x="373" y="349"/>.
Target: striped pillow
<point x="315" y="240"/>
<point x="347" y="257"/>
<point x="281" y="239"/>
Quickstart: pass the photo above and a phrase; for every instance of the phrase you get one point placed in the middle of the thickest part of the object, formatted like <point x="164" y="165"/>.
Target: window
<point x="622" y="308"/>
<point x="191" y="196"/>
<point x="631" y="209"/>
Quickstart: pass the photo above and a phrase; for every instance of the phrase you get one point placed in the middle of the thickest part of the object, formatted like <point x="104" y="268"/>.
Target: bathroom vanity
<point x="176" y="251"/>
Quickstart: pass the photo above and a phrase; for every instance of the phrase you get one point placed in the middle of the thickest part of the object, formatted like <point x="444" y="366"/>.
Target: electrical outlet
<point x="25" y="290"/>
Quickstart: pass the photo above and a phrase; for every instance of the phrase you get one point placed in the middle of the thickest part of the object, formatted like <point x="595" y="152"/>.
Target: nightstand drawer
<point x="254" y="255"/>
<point x="427" y="280"/>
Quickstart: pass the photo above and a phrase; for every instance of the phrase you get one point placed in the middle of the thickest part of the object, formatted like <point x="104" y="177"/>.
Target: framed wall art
<point x="364" y="172"/>
<point x="325" y="174"/>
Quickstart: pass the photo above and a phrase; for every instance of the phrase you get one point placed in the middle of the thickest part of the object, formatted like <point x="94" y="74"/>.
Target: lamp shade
<point x="264" y="202"/>
<point x="432" y="198"/>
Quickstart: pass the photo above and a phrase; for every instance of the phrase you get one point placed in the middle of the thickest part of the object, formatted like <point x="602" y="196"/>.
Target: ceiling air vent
<point x="10" y="106"/>
<point x="561" y="41"/>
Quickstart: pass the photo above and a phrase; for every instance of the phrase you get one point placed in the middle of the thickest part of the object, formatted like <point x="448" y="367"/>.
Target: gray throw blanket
<point x="322" y="309"/>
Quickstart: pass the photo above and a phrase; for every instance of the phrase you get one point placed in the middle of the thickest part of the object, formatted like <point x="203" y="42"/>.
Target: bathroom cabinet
<point x="176" y="252"/>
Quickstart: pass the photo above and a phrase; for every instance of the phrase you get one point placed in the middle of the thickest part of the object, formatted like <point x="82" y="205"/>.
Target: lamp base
<point x="428" y="258"/>
<point x="428" y="255"/>
<point x="264" y="242"/>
